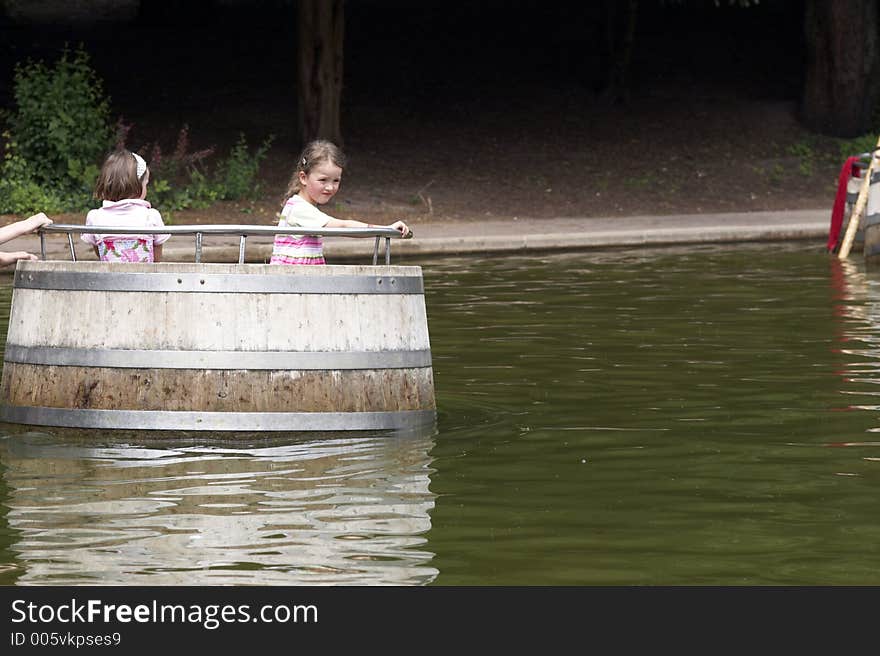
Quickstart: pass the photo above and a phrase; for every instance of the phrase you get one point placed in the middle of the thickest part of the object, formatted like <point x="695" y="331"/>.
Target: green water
<point x="705" y="416"/>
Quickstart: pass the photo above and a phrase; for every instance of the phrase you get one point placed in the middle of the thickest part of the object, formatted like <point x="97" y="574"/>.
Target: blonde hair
<point x="316" y="152"/>
<point x="118" y="178"/>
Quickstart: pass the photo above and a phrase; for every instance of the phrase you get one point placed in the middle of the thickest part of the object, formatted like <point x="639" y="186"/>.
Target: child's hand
<point x="401" y="227"/>
<point x="38" y="221"/>
<point x="11" y="258"/>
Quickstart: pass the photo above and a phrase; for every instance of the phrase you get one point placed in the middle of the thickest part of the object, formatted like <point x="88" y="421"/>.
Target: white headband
<point x="141" y="165"/>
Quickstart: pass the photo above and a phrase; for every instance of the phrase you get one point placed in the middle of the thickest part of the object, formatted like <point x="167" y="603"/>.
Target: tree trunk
<point x="320" y="28"/>
<point x="842" y="63"/>
<point x="620" y="28"/>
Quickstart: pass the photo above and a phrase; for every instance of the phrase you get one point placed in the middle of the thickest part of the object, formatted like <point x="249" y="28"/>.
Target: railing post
<point x="72" y="249"/>
<point x="198" y="247"/>
<point x="241" y="242"/>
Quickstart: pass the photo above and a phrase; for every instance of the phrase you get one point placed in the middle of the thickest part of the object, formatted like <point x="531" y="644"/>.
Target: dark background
<point x="464" y="97"/>
<point x="179" y="57"/>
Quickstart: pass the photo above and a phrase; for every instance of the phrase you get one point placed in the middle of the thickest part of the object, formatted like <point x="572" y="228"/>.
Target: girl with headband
<point x="122" y="188"/>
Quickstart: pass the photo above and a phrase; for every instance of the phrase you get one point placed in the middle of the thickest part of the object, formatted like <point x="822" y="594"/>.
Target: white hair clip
<point x="141" y="165"/>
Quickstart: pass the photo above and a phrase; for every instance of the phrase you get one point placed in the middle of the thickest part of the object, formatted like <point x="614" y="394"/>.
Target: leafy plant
<point x="61" y="125"/>
<point x="178" y="180"/>
<point x="60" y="132"/>
<point x="236" y="177"/>
<point x="806" y="156"/>
<point x="857" y="146"/>
<point x="57" y="135"/>
<point x="19" y="193"/>
<point x="776" y="175"/>
<point x="183" y="179"/>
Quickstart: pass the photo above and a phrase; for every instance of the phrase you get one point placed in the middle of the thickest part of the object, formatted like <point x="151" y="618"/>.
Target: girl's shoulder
<point x="128" y="210"/>
<point x="296" y="201"/>
<point x="103" y="214"/>
<point x="299" y="212"/>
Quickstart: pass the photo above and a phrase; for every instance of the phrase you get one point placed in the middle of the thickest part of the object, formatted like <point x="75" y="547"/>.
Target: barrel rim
<point x="215" y="421"/>
<point x="204" y="359"/>
<point x="214" y="283"/>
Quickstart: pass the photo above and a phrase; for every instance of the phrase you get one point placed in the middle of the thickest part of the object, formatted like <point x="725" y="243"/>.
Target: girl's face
<point x="321" y="183"/>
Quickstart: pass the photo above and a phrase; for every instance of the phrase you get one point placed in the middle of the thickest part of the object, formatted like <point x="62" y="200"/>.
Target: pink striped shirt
<point x="299" y="249"/>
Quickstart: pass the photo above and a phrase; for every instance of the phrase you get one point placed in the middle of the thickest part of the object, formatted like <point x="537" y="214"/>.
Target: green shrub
<point x="19" y="193"/>
<point x="183" y="180"/>
<point x="806" y="156"/>
<point x="857" y="146"/>
<point x="59" y="133"/>
<point x="57" y="136"/>
<point x="236" y="177"/>
<point x="178" y="180"/>
<point x="62" y="123"/>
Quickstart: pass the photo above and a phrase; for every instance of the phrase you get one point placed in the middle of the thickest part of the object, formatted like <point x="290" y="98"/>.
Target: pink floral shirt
<point x="129" y="213"/>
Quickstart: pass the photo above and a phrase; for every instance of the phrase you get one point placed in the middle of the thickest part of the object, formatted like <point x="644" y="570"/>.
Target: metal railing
<point x="242" y="231"/>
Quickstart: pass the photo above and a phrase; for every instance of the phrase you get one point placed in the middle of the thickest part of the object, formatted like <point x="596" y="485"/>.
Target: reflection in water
<point x="327" y="510"/>
<point x="857" y="294"/>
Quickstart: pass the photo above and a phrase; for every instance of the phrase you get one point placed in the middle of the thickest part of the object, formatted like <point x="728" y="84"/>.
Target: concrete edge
<point x="512" y="243"/>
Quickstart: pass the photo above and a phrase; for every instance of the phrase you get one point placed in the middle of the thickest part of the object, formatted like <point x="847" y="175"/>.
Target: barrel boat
<point x="194" y="346"/>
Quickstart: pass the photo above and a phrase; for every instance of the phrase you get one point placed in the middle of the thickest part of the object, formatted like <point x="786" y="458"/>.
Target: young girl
<point x="122" y="186"/>
<point x="314" y="182"/>
<point x="17" y="229"/>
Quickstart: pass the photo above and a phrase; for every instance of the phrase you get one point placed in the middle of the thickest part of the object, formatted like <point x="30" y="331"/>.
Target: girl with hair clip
<point x="314" y="182"/>
<point x="122" y="188"/>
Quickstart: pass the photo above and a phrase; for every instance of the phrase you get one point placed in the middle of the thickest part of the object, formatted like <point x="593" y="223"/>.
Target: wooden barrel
<point x="217" y="347"/>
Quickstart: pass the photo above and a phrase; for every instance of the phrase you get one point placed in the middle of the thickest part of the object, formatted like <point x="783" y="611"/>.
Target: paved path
<point x="454" y="237"/>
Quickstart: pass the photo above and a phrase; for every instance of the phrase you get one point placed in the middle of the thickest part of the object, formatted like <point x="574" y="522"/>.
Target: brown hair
<point x="314" y="153"/>
<point x="118" y="178"/>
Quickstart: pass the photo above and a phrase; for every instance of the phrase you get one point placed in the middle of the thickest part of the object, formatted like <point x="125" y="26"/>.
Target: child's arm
<point x="354" y="223"/>
<point x="7" y="258"/>
<point x="23" y="227"/>
<point x="18" y="229"/>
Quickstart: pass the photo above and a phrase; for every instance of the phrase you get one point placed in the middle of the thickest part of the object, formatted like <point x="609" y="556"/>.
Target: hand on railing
<point x="404" y="230"/>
